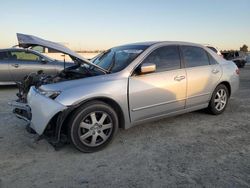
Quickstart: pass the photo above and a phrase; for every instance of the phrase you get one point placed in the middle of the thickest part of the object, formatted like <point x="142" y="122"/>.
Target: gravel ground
<point x="191" y="150"/>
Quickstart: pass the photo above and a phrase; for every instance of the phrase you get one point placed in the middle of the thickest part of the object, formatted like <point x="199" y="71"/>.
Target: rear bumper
<point x="40" y="108"/>
<point x="235" y="84"/>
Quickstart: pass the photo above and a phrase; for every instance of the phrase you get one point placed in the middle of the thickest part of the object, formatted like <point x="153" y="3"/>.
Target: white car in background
<point x="215" y="49"/>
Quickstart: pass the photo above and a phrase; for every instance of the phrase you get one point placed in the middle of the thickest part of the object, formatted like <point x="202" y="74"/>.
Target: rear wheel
<point x="219" y="100"/>
<point x="93" y="126"/>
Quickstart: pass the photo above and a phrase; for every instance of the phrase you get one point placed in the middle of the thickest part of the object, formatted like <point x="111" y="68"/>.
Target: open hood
<point x="26" y="41"/>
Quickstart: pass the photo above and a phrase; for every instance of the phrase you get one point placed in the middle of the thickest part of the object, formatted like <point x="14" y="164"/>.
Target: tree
<point x="244" y="48"/>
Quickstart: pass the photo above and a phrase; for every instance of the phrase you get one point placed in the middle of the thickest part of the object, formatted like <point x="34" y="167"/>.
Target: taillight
<point x="237" y="71"/>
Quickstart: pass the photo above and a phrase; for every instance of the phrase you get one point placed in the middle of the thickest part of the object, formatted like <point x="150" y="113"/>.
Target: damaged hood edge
<point x="26" y="41"/>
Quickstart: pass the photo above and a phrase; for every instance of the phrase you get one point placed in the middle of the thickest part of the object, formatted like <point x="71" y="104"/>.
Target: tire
<point x="217" y="104"/>
<point x="243" y="64"/>
<point x="238" y="63"/>
<point x="92" y="126"/>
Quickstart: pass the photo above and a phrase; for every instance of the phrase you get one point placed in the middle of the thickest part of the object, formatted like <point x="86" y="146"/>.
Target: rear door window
<point x="194" y="56"/>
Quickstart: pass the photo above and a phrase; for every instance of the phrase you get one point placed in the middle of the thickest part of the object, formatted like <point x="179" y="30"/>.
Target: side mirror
<point x="43" y="61"/>
<point x="147" y="68"/>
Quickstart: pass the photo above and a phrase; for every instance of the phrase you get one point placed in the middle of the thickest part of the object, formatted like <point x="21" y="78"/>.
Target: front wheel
<point x="92" y="126"/>
<point x="219" y="100"/>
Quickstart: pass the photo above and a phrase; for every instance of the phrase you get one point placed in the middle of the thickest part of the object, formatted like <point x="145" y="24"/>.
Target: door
<point x="23" y="63"/>
<point x="161" y="92"/>
<point x="4" y="68"/>
<point x="203" y="73"/>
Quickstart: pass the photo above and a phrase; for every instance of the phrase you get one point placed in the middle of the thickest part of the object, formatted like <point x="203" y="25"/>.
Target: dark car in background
<point x="16" y="63"/>
<point x="238" y="57"/>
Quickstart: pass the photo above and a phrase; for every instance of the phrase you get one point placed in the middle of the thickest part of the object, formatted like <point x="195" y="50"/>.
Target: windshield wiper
<point x="112" y="63"/>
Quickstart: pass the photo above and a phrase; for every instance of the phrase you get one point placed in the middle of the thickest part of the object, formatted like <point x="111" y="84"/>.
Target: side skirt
<point x="155" y="118"/>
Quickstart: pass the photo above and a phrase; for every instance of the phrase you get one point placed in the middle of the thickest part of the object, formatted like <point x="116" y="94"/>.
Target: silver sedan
<point x="129" y="85"/>
<point x="16" y="63"/>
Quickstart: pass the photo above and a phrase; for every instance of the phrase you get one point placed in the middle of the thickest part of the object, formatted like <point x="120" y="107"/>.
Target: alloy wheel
<point x="220" y="99"/>
<point x="95" y="128"/>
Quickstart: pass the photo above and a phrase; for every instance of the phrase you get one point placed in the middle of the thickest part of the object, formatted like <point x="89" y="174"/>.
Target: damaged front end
<point x="39" y="108"/>
<point x="45" y="116"/>
<point x="20" y="107"/>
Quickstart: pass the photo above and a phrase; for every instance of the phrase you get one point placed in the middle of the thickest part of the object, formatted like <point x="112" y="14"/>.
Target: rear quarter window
<point x="212" y="60"/>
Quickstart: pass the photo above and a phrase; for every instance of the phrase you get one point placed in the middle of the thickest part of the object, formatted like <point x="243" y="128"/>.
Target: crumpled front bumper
<point x="40" y="108"/>
<point x="21" y="110"/>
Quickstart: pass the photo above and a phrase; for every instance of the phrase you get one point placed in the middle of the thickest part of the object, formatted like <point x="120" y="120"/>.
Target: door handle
<point x="15" y="65"/>
<point x="215" y="71"/>
<point x="179" y="78"/>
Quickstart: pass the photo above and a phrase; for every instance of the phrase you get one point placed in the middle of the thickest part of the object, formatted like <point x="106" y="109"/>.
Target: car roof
<point x="147" y="43"/>
<point x="150" y="43"/>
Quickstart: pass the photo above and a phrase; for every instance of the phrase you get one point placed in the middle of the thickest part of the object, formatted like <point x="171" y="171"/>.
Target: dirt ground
<point x="191" y="150"/>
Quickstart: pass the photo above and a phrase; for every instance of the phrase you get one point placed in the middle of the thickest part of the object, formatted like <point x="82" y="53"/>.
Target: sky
<point x="102" y="24"/>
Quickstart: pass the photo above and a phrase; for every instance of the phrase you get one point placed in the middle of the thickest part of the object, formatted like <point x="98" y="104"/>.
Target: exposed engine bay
<point x="40" y="78"/>
<point x="83" y="68"/>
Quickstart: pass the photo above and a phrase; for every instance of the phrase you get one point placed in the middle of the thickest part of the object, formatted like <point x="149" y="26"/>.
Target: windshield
<point x="116" y="59"/>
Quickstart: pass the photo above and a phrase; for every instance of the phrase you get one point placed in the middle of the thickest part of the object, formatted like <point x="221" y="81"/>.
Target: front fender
<point x="115" y="90"/>
<point x="42" y="110"/>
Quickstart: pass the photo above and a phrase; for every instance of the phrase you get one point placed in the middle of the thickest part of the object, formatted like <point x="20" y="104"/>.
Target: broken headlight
<point x="50" y="94"/>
